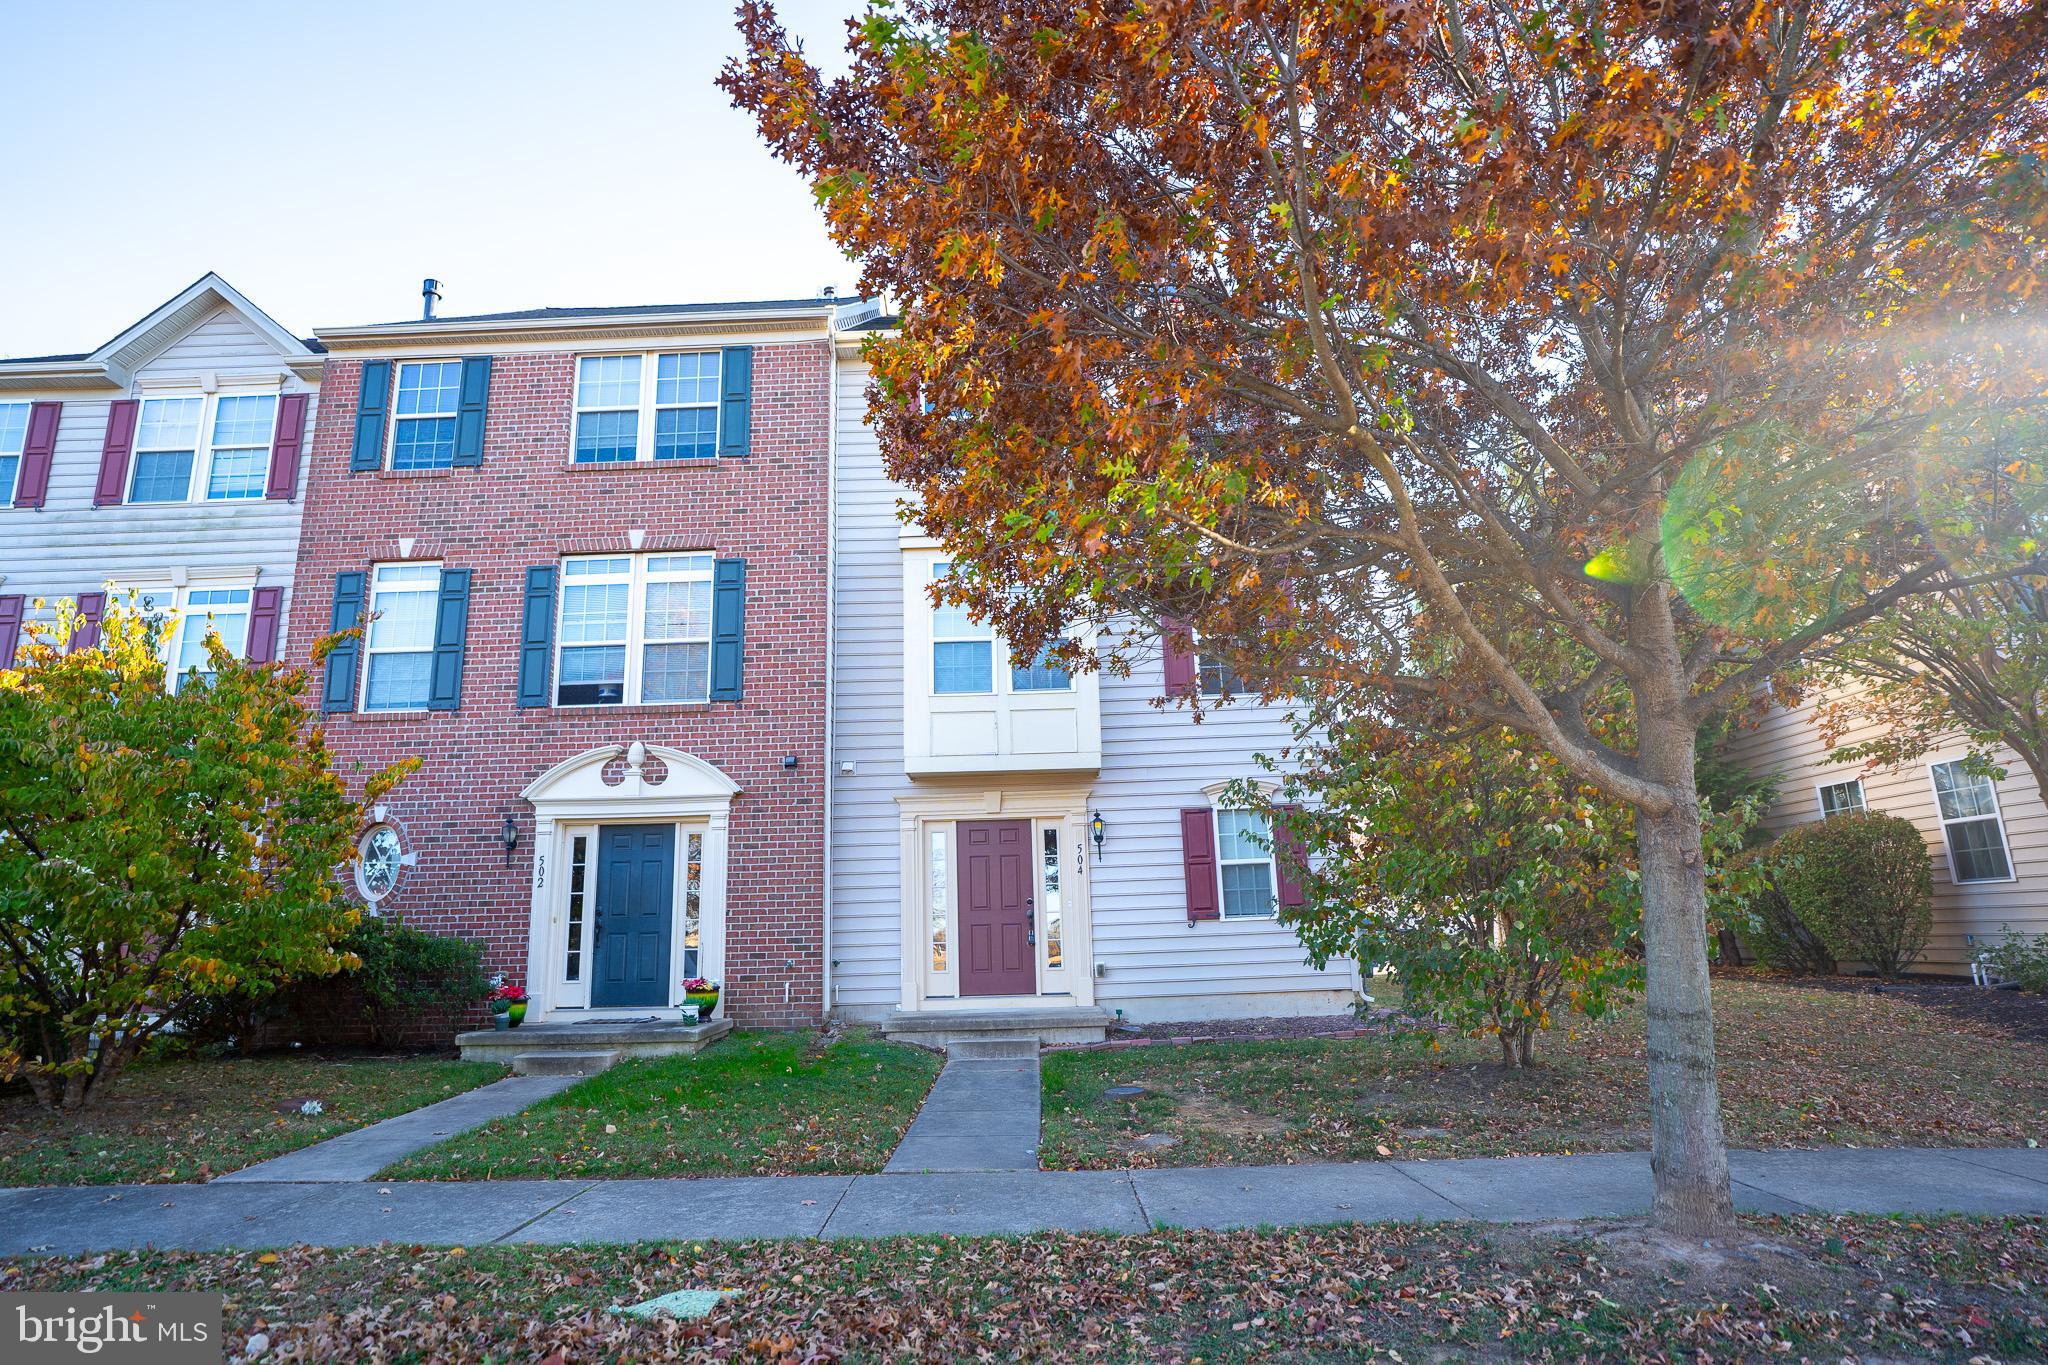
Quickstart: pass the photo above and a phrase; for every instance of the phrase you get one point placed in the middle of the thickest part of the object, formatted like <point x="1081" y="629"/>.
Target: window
<point x="963" y="649"/>
<point x="1970" y="821"/>
<point x="377" y="863"/>
<point x="693" y="900"/>
<point x="1841" y="798"/>
<point x="1213" y="677"/>
<point x="620" y="417"/>
<point x="399" y="644"/>
<point x="1244" y="856"/>
<point x="423" y="414"/>
<point x="1049" y="894"/>
<point x="634" y="629"/>
<point x="579" y="896"/>
<point x="223" y="610"/>
<point x="1040" y="675"/>
<point x="166" y="442"/>
<point x="941" y="899"/>
<point x="239" y="445"/>
<point x="13" y="436"/>
<point x="234" y="429"/>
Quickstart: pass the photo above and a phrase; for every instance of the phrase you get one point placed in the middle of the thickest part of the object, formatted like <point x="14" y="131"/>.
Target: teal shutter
<point x="736" y="402"/>
<point x="469" y="417"/>
<point x="451" y="628"/>
<point x="372" y="399"/>
<point x="338" y="690"/>
<point x="728" y="628"/>
<point x="537" y="635"/>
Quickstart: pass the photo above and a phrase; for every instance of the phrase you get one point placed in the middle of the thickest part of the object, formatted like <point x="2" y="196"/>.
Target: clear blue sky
<point x="325" y="157"/>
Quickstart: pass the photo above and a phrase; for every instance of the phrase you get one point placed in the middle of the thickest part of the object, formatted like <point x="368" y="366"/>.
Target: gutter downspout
<point x="831" y="634"/>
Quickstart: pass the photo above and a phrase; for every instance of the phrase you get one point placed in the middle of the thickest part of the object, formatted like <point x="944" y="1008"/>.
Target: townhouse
<point x="1987" y="840"/>
<point x="167" y="462"/>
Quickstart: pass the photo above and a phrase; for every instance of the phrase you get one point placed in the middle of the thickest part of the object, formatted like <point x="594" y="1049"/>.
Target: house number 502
<point x="540" y="872"/>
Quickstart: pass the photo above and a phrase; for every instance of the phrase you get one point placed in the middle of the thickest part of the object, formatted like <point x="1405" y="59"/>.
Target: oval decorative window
<point x="377" y="862"/>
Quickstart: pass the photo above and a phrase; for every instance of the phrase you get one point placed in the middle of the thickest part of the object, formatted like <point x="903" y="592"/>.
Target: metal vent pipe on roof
<point x="430" y="294"/>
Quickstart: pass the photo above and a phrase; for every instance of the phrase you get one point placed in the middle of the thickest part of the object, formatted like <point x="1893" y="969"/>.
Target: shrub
<point x="406" y="970"/>
<point x="2022" y="958"/>
<point x="1768" y="929"/>
<point x="1862" y="884"/>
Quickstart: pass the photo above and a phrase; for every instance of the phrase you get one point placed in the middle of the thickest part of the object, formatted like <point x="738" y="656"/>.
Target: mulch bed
<point x="2016" y="1014"/>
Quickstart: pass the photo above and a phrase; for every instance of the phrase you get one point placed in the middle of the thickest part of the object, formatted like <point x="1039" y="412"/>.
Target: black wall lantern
<point x="510" y="834"/>
<point x="1097" y="826"/>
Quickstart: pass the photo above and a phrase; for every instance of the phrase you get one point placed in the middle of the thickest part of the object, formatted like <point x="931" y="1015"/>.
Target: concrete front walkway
<point x="361" y="1154"/>
<point x="981" y="1115"/>
<point x="230" y="1214"/>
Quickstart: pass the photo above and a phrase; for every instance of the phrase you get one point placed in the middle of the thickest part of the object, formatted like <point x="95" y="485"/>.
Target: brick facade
<point x="528" y="505"/>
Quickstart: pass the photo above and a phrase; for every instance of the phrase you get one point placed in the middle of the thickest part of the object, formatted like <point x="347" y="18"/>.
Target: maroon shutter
<point x="11" y="608"/>
<point x="32" y="482"/>
<point x="1198" y="862"/>
<point x="91" y="607"/>
<point x="1287" y="855"/>
<point x="112" y="488"/>
<point x="1177" y="647"/>
<point x="286" y="446"/>
<point x="263" y="614"/>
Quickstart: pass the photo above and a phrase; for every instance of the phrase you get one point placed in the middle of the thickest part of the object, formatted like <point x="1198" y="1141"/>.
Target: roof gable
<point x="114" y="363"/>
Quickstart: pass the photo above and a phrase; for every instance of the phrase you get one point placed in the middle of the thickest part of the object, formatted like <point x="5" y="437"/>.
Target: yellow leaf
<point x="267" y="1258"/>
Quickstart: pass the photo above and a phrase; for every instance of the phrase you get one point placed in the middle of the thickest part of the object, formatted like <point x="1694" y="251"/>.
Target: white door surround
<point x="572" y="799"/>
<point x="929" y="854"/>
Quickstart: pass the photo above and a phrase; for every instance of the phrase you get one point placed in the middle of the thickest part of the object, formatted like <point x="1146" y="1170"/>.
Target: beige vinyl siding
<point x="1966" y="917"/>
<point x="68" y="546"/>
<point x="1154" y="762"/>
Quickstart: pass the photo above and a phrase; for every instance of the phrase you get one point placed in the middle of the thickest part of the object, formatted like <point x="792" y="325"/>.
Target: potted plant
<point x="703" y="994"/>
<point x="509" y="1001"/>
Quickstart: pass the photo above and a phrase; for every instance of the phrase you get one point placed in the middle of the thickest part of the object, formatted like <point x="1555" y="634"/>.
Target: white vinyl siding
<point x="71" y="547"/>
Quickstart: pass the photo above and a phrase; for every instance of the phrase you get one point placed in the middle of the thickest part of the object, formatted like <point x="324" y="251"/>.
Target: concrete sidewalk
<point x="981" y="1115"/>
<point x="230" y="1214"/>
<point x="360" y="1154"/>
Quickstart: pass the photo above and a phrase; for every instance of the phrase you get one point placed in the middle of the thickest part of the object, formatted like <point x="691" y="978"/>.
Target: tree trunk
<point x="1688" y="1153"/>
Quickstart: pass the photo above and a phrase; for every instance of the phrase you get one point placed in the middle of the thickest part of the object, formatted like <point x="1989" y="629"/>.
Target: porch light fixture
<point x="510" y="834"/>
<point x="1096" y="828"/>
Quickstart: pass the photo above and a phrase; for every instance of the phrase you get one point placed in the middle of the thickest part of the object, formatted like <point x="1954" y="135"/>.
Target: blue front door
<point x="636" y="868"/>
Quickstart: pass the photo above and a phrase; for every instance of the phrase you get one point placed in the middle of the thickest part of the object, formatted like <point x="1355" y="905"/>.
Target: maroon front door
<point x="997" y="957"/>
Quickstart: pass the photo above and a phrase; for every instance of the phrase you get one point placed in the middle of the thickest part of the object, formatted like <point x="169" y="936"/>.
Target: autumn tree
<point x="160" y="845"/>
<point x="1644" y="327"/>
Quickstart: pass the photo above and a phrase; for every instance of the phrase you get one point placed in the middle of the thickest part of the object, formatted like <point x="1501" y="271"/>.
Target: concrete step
<point x="561" y="1063"/>
<point x="1047" y="1024"/>
<point x="983" y="1049"/>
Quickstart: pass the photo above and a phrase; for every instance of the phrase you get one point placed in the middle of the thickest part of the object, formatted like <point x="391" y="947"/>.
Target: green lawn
<point x="754" y="1104"/>
<point x="1950" y="1289"/>
<point x="190" y="1120"/>
<point x="1799" y="1068"/>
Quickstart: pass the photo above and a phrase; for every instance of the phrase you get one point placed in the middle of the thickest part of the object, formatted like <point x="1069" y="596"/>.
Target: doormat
<point x="681" y="1303"/>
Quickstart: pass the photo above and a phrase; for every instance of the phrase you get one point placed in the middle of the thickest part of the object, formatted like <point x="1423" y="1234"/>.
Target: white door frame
<point x="923" y="815"/>
<point x="572" y="798"/>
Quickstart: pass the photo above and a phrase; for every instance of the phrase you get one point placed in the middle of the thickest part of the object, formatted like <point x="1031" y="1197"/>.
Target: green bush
<point x="405" y="971"/>
<point x="1768" y="929"/>
<point x="2022" y="958"/>
<point x="1862" y="884"/>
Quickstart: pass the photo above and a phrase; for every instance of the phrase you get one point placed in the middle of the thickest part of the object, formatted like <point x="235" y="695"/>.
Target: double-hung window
<point x="398" y="646"/>
<point x="963" y="649"/>
<point x="1213" y="676"/>
<point x="634" y="629"/>
<point x="234" y="430"/>
<point x="646" y="407"/>
<point x="1040" y="675"/>
<point x="424" y="405"/>
<point x="13" y="436"/>
<point x="1841" y="798"/>
<point x="1971" y="823"/>
<point x="225" y="611"/>
<point x="1244" y="857"/>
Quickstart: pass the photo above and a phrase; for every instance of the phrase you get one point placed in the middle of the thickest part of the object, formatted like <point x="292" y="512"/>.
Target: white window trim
<point x="1862" y="797"/>
<point x="648" y="408"/>
<point x="1218" y="794"/>
<point x="183" y="598"/>
<point x="176" y="593"/>
<point x="392" y="419"/>
<point x="1195" y="657"/>
<point x="363" y="706"/>
<point x="201" y="473"/>
<point x="636" y="627"/>
<point x="1002" y="658"/>
<point x="7" y="493"/>
<point x="2012" y="872"/>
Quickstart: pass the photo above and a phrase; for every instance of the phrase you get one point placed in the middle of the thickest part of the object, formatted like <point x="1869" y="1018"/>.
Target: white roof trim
<point x="114" y="363"/>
